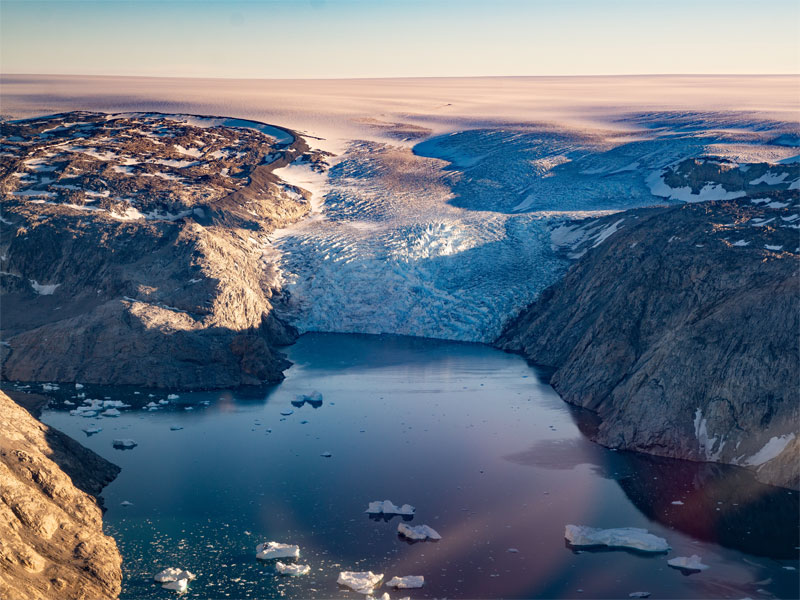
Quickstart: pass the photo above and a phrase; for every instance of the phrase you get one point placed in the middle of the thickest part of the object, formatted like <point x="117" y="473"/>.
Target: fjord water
<point x="473" y="437"/>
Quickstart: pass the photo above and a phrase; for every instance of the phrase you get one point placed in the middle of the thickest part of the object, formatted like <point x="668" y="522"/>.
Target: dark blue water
<point x="489" y="455"/>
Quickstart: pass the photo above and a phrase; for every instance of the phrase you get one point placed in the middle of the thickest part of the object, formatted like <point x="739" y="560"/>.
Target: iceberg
<point x="687" y="563"/>
<point x="639" y="595"/>
<point x="420" y="532"/>
<point x="92" y="430"/>
<point x="111" y="412"/>
<point x="326" y="454"/>
<point x="362" y="582"/>
<point x="623" y="537"/>
<point x="269" y="550"/>
<point x="124" y="444"/>
<point x="172" y="396"/>
<point x="291" y="569"/>
<point x="175" y="428"/>
<point x="174" y="579"/>
<point x="286" y="413"/>
<point x="407" y="582"/>
<point x="388" y="508"/>
<point x="314" y="399"/>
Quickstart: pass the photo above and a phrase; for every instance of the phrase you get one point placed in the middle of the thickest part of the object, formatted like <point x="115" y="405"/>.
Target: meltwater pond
<point x="472" y="437"/>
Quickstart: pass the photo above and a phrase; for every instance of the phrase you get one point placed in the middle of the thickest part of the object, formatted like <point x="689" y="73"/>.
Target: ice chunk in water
<point x="407" y="582"/>
<point x="314" y="399"/>
<point x="92" y="430"/>
<point x="388" y="508"/>
<point x="420" y="532"/>
<point x="174" y="579"/>
<point x="111" y="412"/>
<point x="124" y="444"/>
<point x="639" y="595"/>
<point x="287" y="412"/>
<point x="172" y="396"/>
<point x="623" y="537"/>
<point x="269" y="550"/>
<point x="362" y="582"/>
<point x="687" y="563"/>
<point x="291" y="569"/>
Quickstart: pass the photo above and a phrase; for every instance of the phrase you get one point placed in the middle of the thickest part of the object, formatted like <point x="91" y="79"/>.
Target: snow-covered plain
<point x="436" y="215"/>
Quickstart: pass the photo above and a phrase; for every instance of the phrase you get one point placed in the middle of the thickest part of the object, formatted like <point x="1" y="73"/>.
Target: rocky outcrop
<point x="681" y="331"/>
<point x="51" y="536"/>
<point x="135" y="250"/>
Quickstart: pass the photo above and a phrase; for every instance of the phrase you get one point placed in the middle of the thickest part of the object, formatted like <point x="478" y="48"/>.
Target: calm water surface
<point x="471" y="436"/>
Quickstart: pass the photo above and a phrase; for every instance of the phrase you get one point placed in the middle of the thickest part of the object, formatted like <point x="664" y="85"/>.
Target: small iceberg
<point x="692" y="563"/>
<point x="388" y="508"/>
<point x="270" y="550"/>
<point x="623" y="537"/>
<point x="292" y="569"/>
<point x="172" y="396"/>
<point x="407" y="582"/>
<point x="362" y="582"/>
<point x="326" y="454"/>
<point x="287" y="412"/>
<point x="126" y="503"/>
<point x="175" y="428"/>
<point x="111" y="412"/>
<point x="174" y="579"/>
<point x="78" y="386"/>
<point x="418" y="533"/>
<point x="92" y="430"/>
<point x="639" y="595"/>
<point x="124" y="444"/>
<point x="314" y="399"/>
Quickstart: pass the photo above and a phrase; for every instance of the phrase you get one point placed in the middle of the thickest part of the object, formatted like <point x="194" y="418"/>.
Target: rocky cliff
<point x="679" y="326"/>
<point x="134" y="249"/>
<point x="51" y="535"/>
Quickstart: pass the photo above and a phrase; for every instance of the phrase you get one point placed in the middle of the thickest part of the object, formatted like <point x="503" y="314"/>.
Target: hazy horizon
<point x="355" y="39"/>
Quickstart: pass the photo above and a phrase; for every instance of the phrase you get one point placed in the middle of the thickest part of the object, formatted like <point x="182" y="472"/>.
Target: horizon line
<point x="565" y="76"/>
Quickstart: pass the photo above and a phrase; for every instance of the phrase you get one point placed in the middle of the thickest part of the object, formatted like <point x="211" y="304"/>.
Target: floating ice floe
<point x="126" y="503"/>
<point x="292" y="569"/>
<point x="124" y="444"/>
<point x="362" y="582"/>
<point x="115" y="404"/>
<point x="270" y="550"/>
<point x="623" y="537"/>
<point x="420" y="532"/>
<point x="162" y="402"/>
<point x="111" y="412"/>
<point x="687" y="563"/>
<point x="92" y="430"/>
<point x="326" y="454"/>
<point x="388" y="508"/>
<point x="78" y="386"/>
<point x="639" y="595"/>
<point x="175" y="428"/>
<point x="407" y="582"/>
<point x="50" y="387"/>
<point x="677" y="503"/>
<point x="172" y="396"/>
<point x="314" y="399"/>
<point x="174" y="579"/>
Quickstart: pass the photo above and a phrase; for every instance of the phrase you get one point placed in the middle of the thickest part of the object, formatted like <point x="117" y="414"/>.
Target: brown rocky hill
<point x="51" y="533"/>
<point x="681" y="332"/>
<point x="135" y="250"/>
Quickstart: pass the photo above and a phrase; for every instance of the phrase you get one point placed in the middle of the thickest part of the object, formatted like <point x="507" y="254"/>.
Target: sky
<point x="398" y="38"/>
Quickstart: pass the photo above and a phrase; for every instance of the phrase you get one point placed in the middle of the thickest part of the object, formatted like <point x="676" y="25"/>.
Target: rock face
<point x="51" y="537"/>
<point x="681" y="331"/>
<point x="134" y="249"/>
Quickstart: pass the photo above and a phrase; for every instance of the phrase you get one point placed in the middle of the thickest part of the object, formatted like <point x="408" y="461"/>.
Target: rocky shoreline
<point x="681" y="332"/>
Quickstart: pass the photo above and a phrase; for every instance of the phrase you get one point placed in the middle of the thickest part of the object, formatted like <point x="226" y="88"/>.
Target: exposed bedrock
<point x="681" y="331"/>
<point x="51" y="533"/>
<point x="128" y="260"/>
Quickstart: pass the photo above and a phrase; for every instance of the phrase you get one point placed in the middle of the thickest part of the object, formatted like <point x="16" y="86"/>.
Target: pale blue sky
<point x="390" y="38"/>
